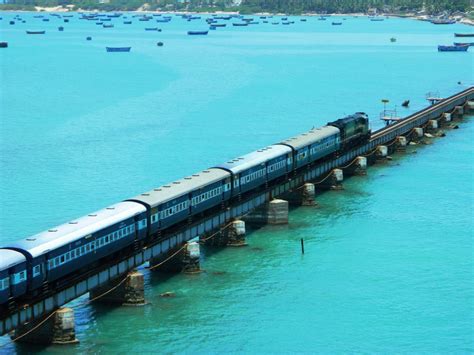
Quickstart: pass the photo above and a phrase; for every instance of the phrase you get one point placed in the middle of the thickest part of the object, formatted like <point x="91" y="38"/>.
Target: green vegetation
<point x="253" y="6"/>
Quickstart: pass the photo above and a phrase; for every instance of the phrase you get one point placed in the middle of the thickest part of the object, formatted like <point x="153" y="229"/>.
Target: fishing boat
<point x="118" y="49"/>
<point x="303" y="20"/>
<point x="471" y="44"/>
<point x="376" y="19"/>
<point x="285" y="23"/>
<point x="60" y="28"/>
<point x="453" y="48"/>
<point x="3" y="44"/>
<point x="35" y="32"/>
<point x="442" y="21"/>
<point x="162" y="20"/>
<point x="151" y="28"/>
<point x="253" y="23"/>
<point x="240" y="24"/>
<point x="107" y="25"/>
<point x="393" y="39"/>
<point x="127" y="22"/>
<point x="219" y="24"/>
<point x="322" y="19"/>
<point x="46" y="19"/>
<point x="198" y="33"/>
<point x="336" y="23"/>
<point x="275" y="23"/>
<point x="99" y="23"/>
<point x="464" y="35"/>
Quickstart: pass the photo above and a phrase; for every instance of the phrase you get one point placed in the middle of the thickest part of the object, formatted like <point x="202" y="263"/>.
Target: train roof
<point x="257" y="157"/>
<point x="66" y="233"/>
<point x="9" y="258"/>
<point x="310" y="137"/>
<point x="181" y="187"/>
<point x="351" y="117"/>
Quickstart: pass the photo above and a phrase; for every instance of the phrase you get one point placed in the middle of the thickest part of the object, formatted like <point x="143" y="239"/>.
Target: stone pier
<point x="358" y="167"/>
<point x="236" y="234"/>
<point x="447" y="117"/>
<point x="470" y="106"/>
<point x="302" y="196"/>
<point x="59" y="329"/>
<point x="418" y="133"/>
<point x="432" y="125"/>
<point x="458" y="111"/>
<point x="130" y="292"/>
<point x="401" y="144"/>
<point x="186" y="260"/>
<point x="381" y="152"/>
<point x="275" y="212"/>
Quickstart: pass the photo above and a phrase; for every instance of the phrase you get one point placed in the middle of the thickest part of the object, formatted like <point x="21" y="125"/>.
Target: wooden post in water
<point x="302" y="246"/>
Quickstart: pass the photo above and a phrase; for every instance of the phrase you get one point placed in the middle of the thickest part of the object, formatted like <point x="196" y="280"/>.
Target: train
<point x="40" y="262"/>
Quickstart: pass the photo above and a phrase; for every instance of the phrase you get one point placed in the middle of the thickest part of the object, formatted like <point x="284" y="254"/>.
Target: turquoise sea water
<point x="388" y="264"/>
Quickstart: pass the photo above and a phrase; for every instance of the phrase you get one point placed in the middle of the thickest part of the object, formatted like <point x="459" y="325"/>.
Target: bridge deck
<point x="78" y="286"/>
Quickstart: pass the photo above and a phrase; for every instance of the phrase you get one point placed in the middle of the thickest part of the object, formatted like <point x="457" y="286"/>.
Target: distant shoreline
<point x="68" y="8"/>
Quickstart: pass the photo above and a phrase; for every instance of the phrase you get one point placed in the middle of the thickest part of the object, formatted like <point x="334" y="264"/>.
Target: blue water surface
<point x="388" y="266"/>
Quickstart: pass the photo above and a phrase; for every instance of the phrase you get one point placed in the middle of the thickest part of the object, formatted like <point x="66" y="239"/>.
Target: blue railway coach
<point x="256" y="168"/>
<point x="13" y="274"/>
<point x="313" y="145"/>
<point x="72" y="246"/>
<point x="173" y="203"/>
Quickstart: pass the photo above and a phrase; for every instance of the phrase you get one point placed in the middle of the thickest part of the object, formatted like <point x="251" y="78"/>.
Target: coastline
<point x="70" y="8"/>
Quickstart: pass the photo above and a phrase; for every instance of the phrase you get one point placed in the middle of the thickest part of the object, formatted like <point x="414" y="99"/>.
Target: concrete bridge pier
<point x="56" y="328"/>
<point x="432" y="126"/>
<point x="418" y="133"/>
<point x="186" y="259"/>
<point x="127" y="292"/>
<point x="236" y="234"/>
<point x="333" y="181"/>
<point x="470" y="107"/>
<point x="275" y="212"/>
<point x="401" y="144"/>
<point x="302" y="196"/>
<point x="447" y="117"/>
<point x="381" y="152"/>
<point x="359" y="167"/>
<point x="458" y="112"/>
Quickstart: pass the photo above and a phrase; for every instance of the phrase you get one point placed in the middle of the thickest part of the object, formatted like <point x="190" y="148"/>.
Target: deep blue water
<point x="388" y="264"/>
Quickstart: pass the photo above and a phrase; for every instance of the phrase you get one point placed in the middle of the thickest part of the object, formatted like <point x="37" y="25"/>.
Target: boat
<point x="240" y="24"/>
<point x="151" y="28"/>
<point x="3" y="44"/>
<point x="253" y="23"/>
<point x="107" y="25"/>
<point x="99" y="23"/>
<point x="66" y="20"/>
<point x="219" y="24"/>
<point x="442" y="21"/>
<point x="275" y="23"/>
<point x="376" y="19"/>
<point x="88" y="38"/>
<point x="35" y="32"/>
<point x="336" y="23"/>
<point x="285" y="23"/>
<point x="46" y="19"/>
<point x="303" y="20"/>
<point x="198" y="33"/>
<point x="464" y="35"/>
<point x="118" y="49"/>
<point x="60" y="28"/>
<point x="393" y="39"/>
<point x="453" y="48"/>
<point x="162" y="20"/>
<point x="12" y="22"/>
<point x="322" y="19"/>
<point x="127" y="22"/>
<point x="471" y="44"/>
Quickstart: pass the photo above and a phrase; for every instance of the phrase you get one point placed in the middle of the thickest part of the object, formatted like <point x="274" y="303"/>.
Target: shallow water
<point x="388" y="263"/>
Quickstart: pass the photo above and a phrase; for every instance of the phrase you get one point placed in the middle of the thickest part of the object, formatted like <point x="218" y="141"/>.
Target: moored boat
<point x="107" y="25"/>
<point x="118" y="49"/>
<point x="3" y="44"/>
<point x="471" y="44"/>
<point x="336" y="23"/>
<point x="127" y="22"/>
<point x="236" y="24"/>
<point x="464" y="35"/>
<point x="35" y="32"/>
<point x="442" y="21"/>
<point x="453" y="48"/>
<point x="198" y="33"/>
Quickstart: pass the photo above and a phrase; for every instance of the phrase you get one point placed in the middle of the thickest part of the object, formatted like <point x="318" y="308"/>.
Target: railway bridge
<point x="40" y="318"/>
